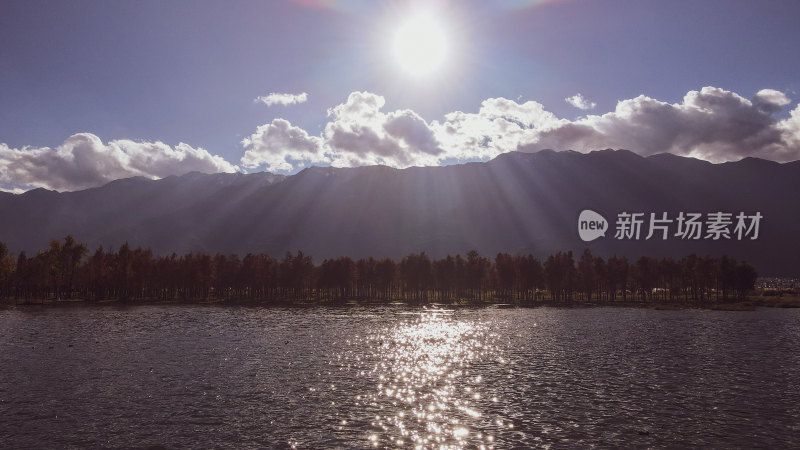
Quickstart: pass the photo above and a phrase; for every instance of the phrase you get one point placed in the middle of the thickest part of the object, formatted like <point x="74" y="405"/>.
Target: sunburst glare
<point x="420" y="45"/>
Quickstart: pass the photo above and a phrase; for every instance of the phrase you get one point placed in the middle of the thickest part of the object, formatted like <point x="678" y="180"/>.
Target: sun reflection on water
<point x="425" y="392"/>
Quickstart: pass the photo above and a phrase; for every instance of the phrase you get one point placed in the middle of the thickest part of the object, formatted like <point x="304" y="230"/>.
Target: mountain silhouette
<point x="516" y="203"/>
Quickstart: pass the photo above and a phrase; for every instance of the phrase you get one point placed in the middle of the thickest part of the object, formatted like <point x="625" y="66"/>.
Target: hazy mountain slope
<point x="518" y="202"/>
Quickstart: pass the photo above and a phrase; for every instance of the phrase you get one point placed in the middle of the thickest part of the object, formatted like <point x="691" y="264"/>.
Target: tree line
<point x="67" y="270"/>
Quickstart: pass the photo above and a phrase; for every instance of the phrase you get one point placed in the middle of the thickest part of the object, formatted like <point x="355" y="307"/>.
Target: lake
<point x="180" y="376"/>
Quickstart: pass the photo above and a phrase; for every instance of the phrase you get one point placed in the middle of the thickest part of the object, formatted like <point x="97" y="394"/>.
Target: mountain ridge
<point x="517" y="203"/>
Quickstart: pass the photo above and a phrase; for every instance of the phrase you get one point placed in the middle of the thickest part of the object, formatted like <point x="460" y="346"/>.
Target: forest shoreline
<point x="63" y="272"/>
<point x="750" y="303"/>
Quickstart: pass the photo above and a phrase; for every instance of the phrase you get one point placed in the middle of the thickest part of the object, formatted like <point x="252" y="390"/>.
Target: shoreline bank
<point x="748" y="304"/>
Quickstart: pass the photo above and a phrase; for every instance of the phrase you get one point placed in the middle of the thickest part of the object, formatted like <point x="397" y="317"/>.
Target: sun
<point x="420" y="45"/>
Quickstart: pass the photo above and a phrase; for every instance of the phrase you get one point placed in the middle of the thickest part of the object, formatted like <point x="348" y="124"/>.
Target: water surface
<point x="192" y="376"/>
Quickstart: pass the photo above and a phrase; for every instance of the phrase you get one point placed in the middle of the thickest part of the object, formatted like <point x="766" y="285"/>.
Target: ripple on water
<point x="394" y="376"/>
<point x="425" y="390"/>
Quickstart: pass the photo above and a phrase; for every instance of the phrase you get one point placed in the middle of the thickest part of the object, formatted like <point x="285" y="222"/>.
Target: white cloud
<point x="84" y="161"/>
<point x="770" y="100"/>
<point x="790" y="133"/>
<point x="499" y="126"/>
<point x="13" y="190"/>
<point x="712" y="123"/>
<point x="580" y="102"/>
<point x="280" y="145"/>
<point x="276" y="98"/>
<point x="360" y="133"/>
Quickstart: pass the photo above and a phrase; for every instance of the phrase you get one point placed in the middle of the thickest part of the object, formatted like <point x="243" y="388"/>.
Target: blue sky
<point x="81" y="74"/>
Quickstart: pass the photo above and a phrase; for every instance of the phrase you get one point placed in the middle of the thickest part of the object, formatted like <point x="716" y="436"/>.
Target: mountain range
<point x="516" y="203"/>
